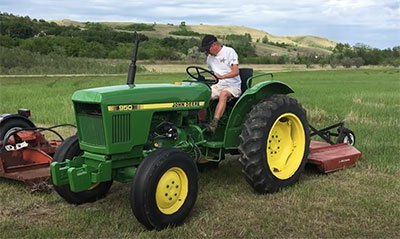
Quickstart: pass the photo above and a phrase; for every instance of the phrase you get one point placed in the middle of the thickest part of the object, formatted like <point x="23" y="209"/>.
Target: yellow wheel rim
<point x="172" y="190"/>
<point x="285" y="146"/>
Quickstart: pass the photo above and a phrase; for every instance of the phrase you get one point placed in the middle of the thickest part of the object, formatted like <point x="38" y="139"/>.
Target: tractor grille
<point x="90" y="124"/>
<point x="121" y="128"/>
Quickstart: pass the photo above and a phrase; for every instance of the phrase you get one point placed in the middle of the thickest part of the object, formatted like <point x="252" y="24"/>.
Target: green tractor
<point x="149" y="135"/>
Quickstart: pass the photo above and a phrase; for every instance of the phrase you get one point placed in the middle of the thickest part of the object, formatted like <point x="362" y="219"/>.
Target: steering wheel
<point x="198" y="75"/>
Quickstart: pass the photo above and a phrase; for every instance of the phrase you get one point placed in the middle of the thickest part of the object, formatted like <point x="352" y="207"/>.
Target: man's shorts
<point x="217" y="89"/>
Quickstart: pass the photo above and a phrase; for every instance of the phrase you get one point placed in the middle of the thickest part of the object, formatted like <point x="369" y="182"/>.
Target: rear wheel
<point x="68" y="150"/>
<point x="274" y="144"/>
<point x="164" y="189"/>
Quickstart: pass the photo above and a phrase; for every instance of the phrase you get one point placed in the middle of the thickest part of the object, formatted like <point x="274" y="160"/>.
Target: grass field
<point x="362" y="201"/>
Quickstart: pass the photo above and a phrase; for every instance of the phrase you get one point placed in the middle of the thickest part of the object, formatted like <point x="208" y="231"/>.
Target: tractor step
<point x="329" y="158"/>
<point x="214" y="144"/>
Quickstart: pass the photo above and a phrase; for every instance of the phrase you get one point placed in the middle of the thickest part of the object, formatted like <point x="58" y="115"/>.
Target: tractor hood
<point x="145" y="94"/>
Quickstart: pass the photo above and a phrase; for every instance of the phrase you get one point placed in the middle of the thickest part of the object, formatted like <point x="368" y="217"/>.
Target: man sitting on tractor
<point x="223" y="61"/>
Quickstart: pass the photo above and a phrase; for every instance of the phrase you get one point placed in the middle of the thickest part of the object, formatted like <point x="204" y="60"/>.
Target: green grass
<point x="367" y="100"/>
<point x="361" y="201"/>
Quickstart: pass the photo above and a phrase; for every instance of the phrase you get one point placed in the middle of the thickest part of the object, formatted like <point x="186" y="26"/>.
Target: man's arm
<point x="234" y="72"/>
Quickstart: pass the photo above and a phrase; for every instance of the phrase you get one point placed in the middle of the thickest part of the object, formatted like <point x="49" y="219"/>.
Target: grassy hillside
<point x="303" y="41"/>
<point x="312" y="41"/>
<point x="299" y="44"/>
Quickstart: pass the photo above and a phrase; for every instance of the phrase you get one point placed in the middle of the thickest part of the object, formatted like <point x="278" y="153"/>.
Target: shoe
<point x="212" y="126"/>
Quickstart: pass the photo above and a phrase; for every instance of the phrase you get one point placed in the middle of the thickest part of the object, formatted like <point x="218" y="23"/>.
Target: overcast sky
<point x="372" y="22"/>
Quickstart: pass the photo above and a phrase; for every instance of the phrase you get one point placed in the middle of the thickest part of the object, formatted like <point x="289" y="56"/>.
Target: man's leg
<point x="219" y="110"/>
<point x="223" y="98"/>
<point x="202" y="115"/>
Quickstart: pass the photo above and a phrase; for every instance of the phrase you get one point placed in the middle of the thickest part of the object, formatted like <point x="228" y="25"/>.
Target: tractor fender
<point x="9" y="117"/>
<point x="245" y="103"/>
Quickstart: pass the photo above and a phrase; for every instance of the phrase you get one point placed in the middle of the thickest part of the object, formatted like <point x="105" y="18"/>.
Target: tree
<point x="265" y="39"/>
<point x="347" y="62"/>
<point x="93" y="50"/>
<point x="242" y="44"/>
<point x="334" y="62"/>
<point x="42" y="45"/>
<point x="194" y="55"/>
<point x="358" y="62"/>
<point x="8" y="41"/>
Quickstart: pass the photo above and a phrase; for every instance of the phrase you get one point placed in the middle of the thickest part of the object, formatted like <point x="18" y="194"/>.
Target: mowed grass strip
<point x="361" y="201"/>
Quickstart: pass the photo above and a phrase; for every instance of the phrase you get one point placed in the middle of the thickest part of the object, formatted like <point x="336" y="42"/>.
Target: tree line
<point x="95" y="40"/>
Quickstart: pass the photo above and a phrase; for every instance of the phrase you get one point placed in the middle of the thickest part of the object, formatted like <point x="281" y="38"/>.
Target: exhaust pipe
<point x="132" y="66"/>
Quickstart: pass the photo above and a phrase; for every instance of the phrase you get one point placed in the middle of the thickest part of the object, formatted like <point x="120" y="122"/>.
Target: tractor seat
<point x="245" y="74"/>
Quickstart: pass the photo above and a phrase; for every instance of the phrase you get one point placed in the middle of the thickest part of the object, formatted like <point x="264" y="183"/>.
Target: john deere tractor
<point x="149" y="135"/>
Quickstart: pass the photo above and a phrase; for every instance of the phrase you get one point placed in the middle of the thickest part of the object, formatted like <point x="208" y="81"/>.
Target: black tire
<point x="164" y="167"/>
<point x="274" y="144"/>
<point x="11" y="124"/>
<point x="346" y="136"/>
<point x="67" y="150"/>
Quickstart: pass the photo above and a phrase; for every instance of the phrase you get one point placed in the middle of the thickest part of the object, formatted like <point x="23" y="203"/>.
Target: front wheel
<point x="68" y="150"/>
<point x="164" y="189"/>
<point x="274" y="144"/>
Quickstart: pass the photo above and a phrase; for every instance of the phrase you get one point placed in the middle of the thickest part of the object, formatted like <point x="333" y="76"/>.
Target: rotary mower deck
<point x="25" y="153"/>
<point x="29" y="160"/>
<point x="333" y="155"/>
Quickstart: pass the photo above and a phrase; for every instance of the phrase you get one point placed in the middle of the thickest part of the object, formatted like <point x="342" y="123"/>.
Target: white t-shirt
<point x="221" y="64"/>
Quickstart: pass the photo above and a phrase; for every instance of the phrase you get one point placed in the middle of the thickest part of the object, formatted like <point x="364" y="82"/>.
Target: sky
<point x="375" y="23"/>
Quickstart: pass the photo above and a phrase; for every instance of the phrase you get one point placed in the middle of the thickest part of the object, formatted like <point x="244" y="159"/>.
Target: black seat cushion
<point x="245" y="74"/>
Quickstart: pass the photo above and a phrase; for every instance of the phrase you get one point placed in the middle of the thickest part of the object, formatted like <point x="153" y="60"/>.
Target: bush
<point x="184" y="32"/>
<point x="93" y="50"/>
<point x="180" y="45"/>
<point x="334" y="62"/>
<point x="17" y="61"/>
<point x="122" y="51"/>
<point x="242" y="45"/>
<point x="265" y="39"/>
<point x="11" y="58"/>
<point x="265" y="60"/>
<point x="358" y="62"/>
<point x="138" y="27"/>
<point x="8" y="41"/>
<point x="347" y="62"/>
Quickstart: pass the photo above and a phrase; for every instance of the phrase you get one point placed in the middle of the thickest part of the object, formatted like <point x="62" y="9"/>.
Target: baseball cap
<point x="207" y="41"/>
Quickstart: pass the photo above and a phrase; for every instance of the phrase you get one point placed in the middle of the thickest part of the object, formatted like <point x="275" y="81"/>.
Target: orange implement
<point x="329" y="158"/>
<point x="29" y="161"/>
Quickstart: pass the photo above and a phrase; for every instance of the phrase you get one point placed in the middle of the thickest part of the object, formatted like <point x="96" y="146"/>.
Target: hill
<point x="303" y="41"/>
<point x="281" y="45"/>
<point x="23" y="39"/>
